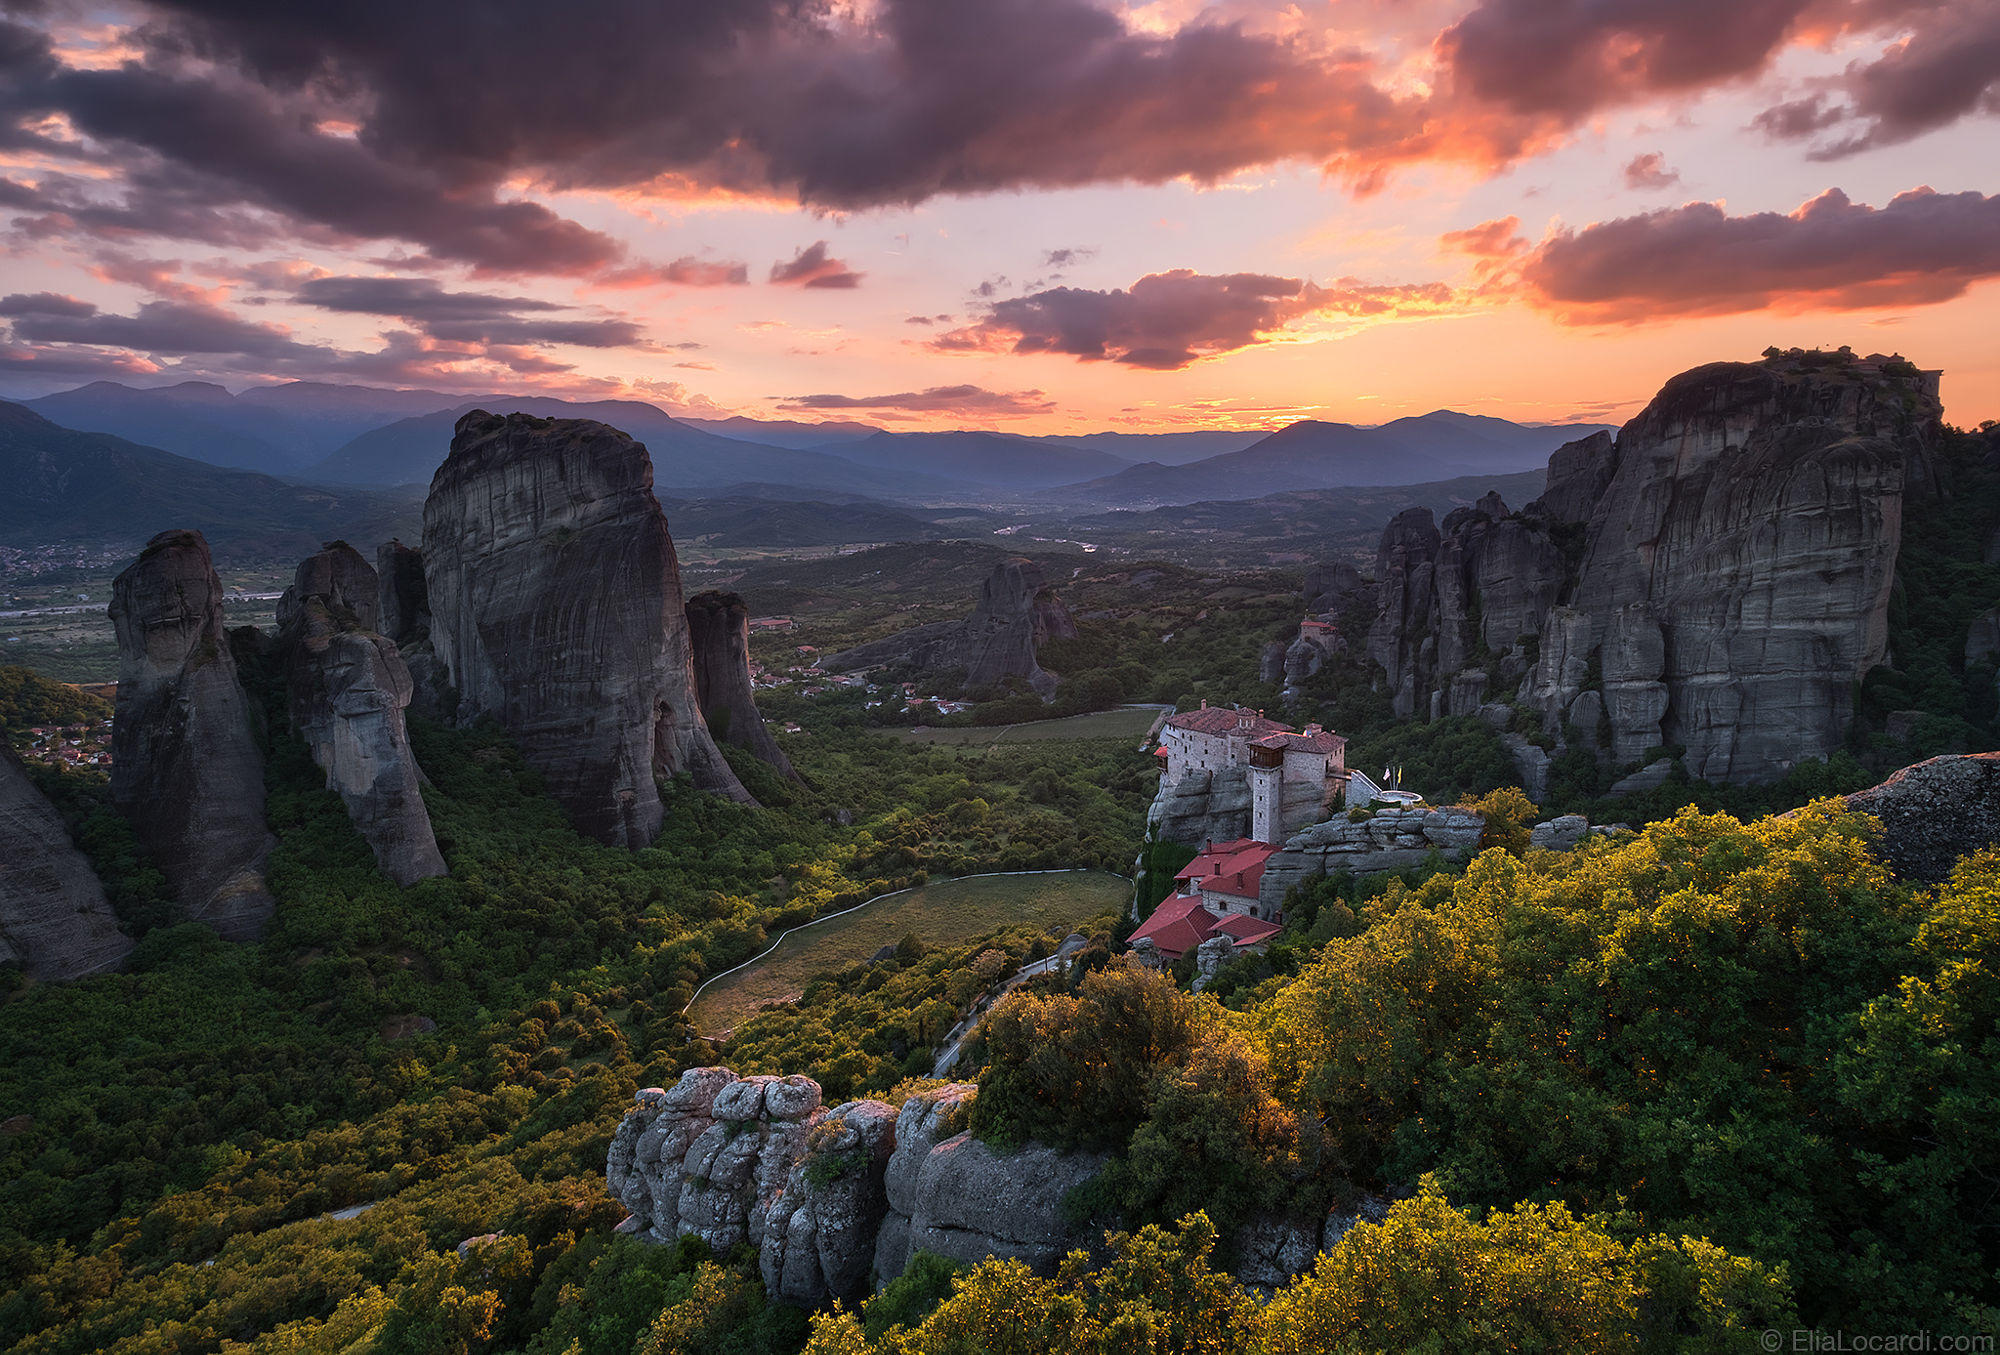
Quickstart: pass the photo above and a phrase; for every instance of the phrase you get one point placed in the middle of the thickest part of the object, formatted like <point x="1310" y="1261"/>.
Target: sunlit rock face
<point x="54" y="920"/>
<point x="556" y="608"/>
<point x="347" y="689"/>
<point x="719" y="633"/>
<point x="1714" y="579"/>
<point x="186" y="768"/>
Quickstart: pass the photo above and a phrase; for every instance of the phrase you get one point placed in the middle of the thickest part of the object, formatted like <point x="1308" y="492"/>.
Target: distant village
<point x="87" y="745"/>
<point x="815" y="681"/>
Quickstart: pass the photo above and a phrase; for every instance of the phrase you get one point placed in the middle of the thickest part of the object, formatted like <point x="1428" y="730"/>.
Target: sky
<point x="1035" y="215"/>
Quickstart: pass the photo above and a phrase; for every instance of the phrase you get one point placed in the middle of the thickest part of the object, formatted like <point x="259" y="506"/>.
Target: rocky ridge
<point x="1017" y="612"/>
<point x="719" y="633"/>
<point x="834" y="1197"/>
<point x="1362" y="842"/>
<point x="55" y="922"/>
<point x="347" y="688"/>
<point x="186" y="768"/>
<point x="1715" y="579"/>
<point x="556" y="607"/>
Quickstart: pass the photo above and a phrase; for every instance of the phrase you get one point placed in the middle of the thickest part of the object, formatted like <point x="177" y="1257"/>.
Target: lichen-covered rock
<point x="1017" y="612"/>
<point x="1649" y="777"/>
<point x="1209" y="957"/>
<point x="1271" y="1250"/>
<point x="1561" y="833"/>
<point x="1367" y="1209"/>
<point x="556" y="607"/>
<point x="55" y="922"/>
<point x="1934" y="812"/>
<point x="1389" y="839"/>
<point x="185" y="766"/>
<point x="347" y="690"/>
<point x="972" y="1202"/>
<point x="924" y="1121"/>
<point x="819" y="1235"/>
<point x="719" y="633"/>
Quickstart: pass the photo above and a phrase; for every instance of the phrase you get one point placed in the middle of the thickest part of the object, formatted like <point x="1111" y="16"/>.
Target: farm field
<point x="945" y="913"/>
<point x="1126" y="722"/>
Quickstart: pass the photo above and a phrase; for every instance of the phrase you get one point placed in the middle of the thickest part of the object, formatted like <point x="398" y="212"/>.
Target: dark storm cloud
<point x="1922" y="247"/>
<point x="1168" y="320"/>
<point x="466" y="317"/>
<point x="921" y="97"/>
<point x="1947" y="69"/>
<point x="45" y="303"/>
<point x="1562" y="60"/>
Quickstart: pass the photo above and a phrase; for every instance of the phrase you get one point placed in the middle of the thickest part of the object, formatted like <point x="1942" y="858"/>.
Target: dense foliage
<point x="28" y="699"/>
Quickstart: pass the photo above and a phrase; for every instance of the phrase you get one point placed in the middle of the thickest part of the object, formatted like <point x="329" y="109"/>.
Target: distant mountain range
<point x="1442" y="445"/>
<point x="364" y="436"/>
<point x="684" y="457"/>
<point x="275" y="429"/>
<point x="65" y="485"/>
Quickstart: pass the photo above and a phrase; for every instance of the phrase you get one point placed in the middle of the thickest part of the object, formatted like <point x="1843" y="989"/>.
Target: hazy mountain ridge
<point x="66" y="485"/>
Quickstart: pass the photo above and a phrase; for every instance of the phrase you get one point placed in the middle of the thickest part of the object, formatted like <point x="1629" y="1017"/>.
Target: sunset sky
<point x="1039" y="215"/>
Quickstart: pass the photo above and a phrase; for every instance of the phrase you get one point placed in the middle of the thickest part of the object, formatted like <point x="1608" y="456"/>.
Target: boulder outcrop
<point x="556" y="607"/>
<point x="55" y="922"/>
<point x="347" y="689"/>
<point x="831" y="1197"/>
<point x="1017" y="612"/>
<point x="719" y="633"/>
<point x="1934" y="812"/>
<point x="1715" y="579"/>
<point x="1361" y="844"/>
<point x="185" y="765"/>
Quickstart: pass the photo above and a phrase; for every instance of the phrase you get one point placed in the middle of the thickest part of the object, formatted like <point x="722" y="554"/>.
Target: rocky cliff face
<point x="1388" y="839"/>
<point x="831" y="1197"/>
<point x="556" y="607"/>
<point x="185" y="765"/>
<point x="1016" y="613"/>
<point x="719" y="632"/>
<point x="54" y="920"/>
<point x="1715" y="578"/>
<point x="1203" y="806"/>
<point x="347" y="689"/>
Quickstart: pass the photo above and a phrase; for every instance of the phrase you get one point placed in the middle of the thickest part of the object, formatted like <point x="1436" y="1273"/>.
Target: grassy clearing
<point x="947" y="913"/>
<point x="1126" y="722"/>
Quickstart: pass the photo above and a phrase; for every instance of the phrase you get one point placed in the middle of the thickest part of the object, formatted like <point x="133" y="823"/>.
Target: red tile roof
<point x="1245" y="930"/>
<point x="1233" y="868"/>
<point x="1178" y="925"/>
<point x="1182" y="922"/>
<point x="1317" y="742"/>
<point x="1226" y="720"/>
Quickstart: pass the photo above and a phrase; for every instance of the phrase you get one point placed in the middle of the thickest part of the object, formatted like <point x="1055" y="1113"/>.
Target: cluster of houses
<point x="1296" y="777"/>
<point x="68" y="745"/>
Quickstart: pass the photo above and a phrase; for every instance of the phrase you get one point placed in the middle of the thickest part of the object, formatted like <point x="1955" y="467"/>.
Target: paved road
<point x="948" y="1056"/>
<point x="78" y="608"/>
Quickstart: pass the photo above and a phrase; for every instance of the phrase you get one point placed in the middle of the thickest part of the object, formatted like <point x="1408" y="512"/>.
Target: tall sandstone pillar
<point x="556" y="608"/>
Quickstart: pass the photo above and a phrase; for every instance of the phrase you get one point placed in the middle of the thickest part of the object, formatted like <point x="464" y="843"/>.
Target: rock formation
<point x="1934" y="812"/>
<point x="719" y="633"/>
<point x="1016" y="613"/>
<point x="403" y="615"/>
<point x="1715" y="579"/>
<point x="1387" y="839"/>
<point x="347" y="688"/>
<point x="831" y="1197"/>
<point x="556" y="607"/>
<point x="54" y="920"/>
<point x="185" y="766"/>
<point x="1203" y="806"/>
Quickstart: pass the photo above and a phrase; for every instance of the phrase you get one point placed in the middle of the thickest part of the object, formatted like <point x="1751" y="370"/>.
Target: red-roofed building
<point x="1294" y="775"/>
<point x="1227" y="876"/>
<point x="1183" y="921"/>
